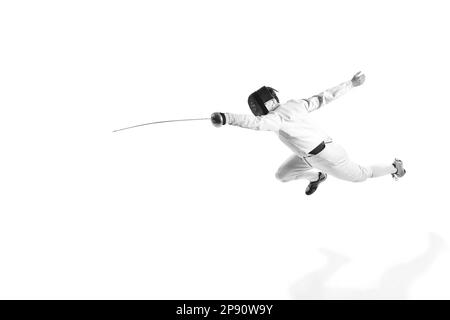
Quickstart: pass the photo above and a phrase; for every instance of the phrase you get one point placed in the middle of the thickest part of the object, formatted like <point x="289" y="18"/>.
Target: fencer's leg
<point x="335" y="161"/>
<point x="380" y="170"/>
<point x="296" y="168"/>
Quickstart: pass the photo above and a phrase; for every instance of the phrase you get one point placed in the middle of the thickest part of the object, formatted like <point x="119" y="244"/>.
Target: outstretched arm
<point x="269" y="122"/>
<point x="325" y="97"/>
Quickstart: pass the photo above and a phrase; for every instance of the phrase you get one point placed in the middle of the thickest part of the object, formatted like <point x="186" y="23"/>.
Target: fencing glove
<point x="218" y="119"/>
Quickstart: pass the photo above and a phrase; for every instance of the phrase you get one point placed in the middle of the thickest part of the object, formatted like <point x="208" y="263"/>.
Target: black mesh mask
<point x="258" y="98"/>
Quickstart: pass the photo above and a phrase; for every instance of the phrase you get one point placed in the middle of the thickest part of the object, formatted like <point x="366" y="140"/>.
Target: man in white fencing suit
<point x="312" y="147"/>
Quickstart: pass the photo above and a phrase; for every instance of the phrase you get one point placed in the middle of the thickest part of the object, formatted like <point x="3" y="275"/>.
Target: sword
<point x="165" y="121"/>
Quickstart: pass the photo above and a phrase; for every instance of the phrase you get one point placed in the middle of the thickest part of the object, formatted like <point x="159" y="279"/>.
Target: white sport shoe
<point x="398" y="164"/>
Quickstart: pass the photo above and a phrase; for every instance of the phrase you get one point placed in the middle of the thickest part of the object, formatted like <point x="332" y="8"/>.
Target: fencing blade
<point x="165" y="121"/>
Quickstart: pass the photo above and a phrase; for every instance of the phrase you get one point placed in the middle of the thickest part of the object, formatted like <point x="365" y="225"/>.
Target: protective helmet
<point x="257" y="100"/>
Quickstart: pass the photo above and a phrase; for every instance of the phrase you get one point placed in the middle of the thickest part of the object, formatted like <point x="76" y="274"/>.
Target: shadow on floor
<point x="394" y="283"/>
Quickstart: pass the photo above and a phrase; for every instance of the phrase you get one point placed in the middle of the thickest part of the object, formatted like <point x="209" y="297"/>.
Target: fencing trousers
<point x="332" y="160"/>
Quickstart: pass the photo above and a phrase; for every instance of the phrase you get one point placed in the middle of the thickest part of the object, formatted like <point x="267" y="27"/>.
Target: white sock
<point x="382" y="170"/>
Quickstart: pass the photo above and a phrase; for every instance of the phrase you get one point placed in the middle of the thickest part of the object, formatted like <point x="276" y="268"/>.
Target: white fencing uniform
<point x="294" y="127"/>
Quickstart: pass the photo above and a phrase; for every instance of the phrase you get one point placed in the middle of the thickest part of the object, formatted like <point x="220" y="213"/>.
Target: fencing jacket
<point x="291" y="120"/>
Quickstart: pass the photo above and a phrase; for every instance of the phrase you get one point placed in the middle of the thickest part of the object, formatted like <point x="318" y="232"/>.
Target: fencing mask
<point x="257" y="100"/>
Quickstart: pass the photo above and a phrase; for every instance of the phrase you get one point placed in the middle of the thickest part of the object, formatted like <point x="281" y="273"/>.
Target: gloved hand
<point x="358" y="79"/>
<point x="218" y="119"/>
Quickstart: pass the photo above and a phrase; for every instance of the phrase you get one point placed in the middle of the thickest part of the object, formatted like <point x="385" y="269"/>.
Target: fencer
<point x="312" y="147"/>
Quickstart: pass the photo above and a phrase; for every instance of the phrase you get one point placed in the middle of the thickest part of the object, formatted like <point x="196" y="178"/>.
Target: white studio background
<point x="189" y="211"/>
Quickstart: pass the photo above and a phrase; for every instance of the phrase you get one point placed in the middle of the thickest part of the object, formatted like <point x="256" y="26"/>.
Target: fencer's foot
<point x="398" y="164"/>
<point x="313" y="185"/>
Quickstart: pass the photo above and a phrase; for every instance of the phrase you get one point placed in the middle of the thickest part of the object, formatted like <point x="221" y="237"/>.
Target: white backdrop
<point x="186" y="210"/>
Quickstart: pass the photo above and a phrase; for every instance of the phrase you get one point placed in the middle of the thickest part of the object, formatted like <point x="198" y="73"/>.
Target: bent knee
<point x="281" y="176"/>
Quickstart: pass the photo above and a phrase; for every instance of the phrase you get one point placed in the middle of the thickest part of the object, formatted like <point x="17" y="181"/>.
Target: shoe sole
<point x="325" y="176"/>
